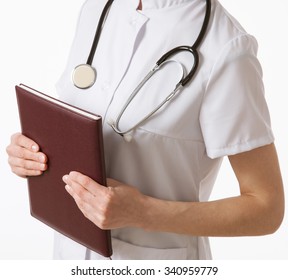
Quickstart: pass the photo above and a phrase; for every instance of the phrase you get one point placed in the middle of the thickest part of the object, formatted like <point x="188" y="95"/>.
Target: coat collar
<point x="158" y="4"/>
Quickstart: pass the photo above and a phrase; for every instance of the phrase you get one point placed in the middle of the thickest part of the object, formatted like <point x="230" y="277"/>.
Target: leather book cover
<point x="72" y="140"/>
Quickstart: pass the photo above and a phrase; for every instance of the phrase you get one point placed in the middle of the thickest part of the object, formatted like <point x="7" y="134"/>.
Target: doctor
<point x="157" y="203"/>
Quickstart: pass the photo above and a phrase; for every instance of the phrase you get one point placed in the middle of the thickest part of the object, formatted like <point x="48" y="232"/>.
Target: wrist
<point x="153" y="213"/>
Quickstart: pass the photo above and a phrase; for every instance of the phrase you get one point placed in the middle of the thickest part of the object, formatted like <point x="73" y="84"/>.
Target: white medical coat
<point x="176" y="154"/>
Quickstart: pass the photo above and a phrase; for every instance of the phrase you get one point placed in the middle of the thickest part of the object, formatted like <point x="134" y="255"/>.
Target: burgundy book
<point x="72" y="139"/>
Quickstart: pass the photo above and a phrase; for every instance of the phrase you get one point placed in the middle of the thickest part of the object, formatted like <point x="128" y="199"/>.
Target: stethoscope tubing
<point x="98" y="31"/>
<point x="115" y="124"/>
<point x="162" y="61"/>
<point x="192" y="49"/>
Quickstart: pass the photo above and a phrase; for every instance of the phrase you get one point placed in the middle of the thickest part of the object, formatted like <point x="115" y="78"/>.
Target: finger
<point x="21" y="172"/>
<point x="24" y="153"/>
<point x="87" y="210"/>
<point x="25" y="142"/>
<point x="86" y="182"/>
<point x="27" y="164"/>
<point x="81" y="196"/>
<point x="76" y="189"/>
<point x="71" y="191"/>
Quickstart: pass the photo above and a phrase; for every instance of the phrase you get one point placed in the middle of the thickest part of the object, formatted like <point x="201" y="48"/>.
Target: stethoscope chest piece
<point x="84" y="76"/>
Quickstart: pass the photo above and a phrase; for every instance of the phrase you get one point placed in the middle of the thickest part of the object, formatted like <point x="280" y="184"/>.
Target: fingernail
<point x="34" y="148"/>
<point x="65" y="178"/>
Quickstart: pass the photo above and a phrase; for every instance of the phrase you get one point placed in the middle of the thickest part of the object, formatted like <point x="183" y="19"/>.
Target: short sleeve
<point x="234" y="117"/>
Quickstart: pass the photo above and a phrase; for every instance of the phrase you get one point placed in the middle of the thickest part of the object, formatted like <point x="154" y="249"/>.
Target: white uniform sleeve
<point x="234" y="116"/>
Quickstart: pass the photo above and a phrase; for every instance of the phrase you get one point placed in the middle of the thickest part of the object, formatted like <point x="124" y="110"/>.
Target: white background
<point x="34" y="44"/>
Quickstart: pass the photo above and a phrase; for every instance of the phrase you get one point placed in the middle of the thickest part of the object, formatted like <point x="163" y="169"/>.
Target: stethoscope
<point x="84" y="75"/>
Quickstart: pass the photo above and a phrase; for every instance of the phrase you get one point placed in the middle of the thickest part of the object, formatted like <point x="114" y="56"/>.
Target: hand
<point x="24" y="156"/>
<point x="111" y="207"/>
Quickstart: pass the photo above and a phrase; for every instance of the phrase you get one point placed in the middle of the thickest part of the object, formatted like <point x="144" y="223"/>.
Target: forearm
<point x="258" y="210"/>
<point x="237" y="216"/>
